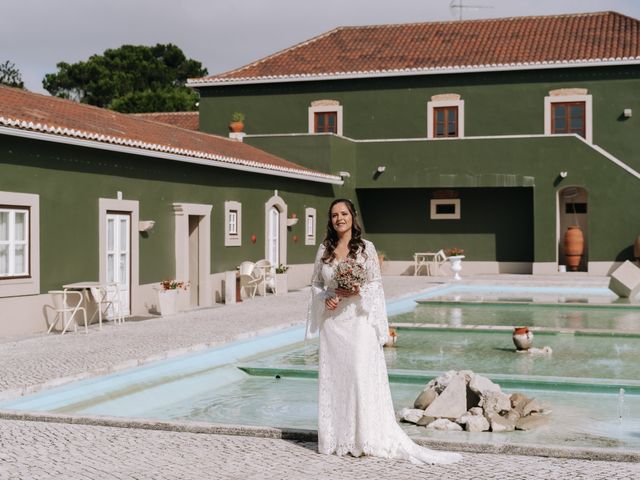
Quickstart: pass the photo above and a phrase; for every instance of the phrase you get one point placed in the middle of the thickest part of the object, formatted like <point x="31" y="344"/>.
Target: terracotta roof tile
<point x="188" y="120"/>
<point x="20" y="109"/>
<point x="448" y="46"/>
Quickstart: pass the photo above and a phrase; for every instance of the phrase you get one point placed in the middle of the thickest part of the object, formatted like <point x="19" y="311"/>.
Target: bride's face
<point x="341" y="218"/>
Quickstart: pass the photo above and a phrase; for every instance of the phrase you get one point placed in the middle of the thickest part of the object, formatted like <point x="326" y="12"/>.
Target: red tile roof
<point x="448" y="47"/>
<point x="56" y="118"/>
<point x="188" y="120"/>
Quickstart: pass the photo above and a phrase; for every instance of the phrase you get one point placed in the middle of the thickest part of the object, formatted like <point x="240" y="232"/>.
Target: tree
<point x="132" y="78"/>
<point x="10" y="75"/>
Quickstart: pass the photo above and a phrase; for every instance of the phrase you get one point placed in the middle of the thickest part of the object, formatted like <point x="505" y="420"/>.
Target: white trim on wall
<point x="431" y="104"/>
<point x="310" y="223"/>
<point x="334" y="107"/>
<point x="182" y="212"/>
<point x="28" y="285"/>
<point x="133" y="208"/>
<point x="588" y="112"/>
<point x="232" y="239"/>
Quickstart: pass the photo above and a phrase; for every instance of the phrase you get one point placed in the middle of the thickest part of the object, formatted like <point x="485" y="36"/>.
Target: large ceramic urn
<point x="573" y="247"/>
<point x="522" y="338"/>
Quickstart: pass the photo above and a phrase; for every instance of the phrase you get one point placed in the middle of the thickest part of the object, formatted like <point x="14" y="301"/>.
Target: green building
<point x="89" y="195"/>
<point x="494" y="136"/>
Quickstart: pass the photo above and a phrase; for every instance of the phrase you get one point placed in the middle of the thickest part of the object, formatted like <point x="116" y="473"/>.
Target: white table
<point x="89" y="302"/>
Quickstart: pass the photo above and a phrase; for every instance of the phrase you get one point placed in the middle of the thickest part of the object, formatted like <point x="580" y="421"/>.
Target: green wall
<point x="516" y="182"/>
<point x="70" y="180"/>
<point x="496" y="103"/>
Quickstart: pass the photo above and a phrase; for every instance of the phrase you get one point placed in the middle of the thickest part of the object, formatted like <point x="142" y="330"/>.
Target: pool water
<point x="271" y="380"/>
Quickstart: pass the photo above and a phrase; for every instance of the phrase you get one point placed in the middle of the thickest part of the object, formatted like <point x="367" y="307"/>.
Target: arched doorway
<point x="273" y="236"/>
<point x="275" y="248"/>
<point x="573" y="210"/>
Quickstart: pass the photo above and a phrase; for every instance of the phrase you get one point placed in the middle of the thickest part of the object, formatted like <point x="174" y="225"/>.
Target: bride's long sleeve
<point x="316" y="309"/>
<point x="372" y="293"/>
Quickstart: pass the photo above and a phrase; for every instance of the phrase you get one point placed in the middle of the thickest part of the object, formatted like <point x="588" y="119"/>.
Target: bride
<point x="355" y="411"/>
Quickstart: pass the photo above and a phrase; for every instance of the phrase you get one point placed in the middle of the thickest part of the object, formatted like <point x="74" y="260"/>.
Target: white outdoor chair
<point x="436" y="262"/>
<point x="250" y="283"/>
<point x="66" y="307"/>
<point x="266" y="270"/>
<point x="107" y="298"/>
<point x="246" y="268"/>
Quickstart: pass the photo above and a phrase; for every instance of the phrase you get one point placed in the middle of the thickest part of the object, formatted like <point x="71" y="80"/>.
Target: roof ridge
<point x="164" y="113"/>
<point x="479" y="20"/>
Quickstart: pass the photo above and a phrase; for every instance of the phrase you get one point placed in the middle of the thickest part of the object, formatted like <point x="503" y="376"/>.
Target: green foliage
<point x="132" y="78"/>
<point x="10" y="75"/>
<point x="237" y="117"/>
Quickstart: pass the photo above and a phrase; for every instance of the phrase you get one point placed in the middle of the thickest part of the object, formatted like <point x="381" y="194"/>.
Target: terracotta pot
<point x="236" y="127"/>
<point x="522" y="338"/>
<point x="573" y="246"/>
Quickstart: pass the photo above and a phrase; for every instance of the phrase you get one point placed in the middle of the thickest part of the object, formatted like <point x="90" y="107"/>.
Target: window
<point x="568" y="110"/>
<point x="445" y="122"/>
<point x="14" y="242"/>
<point x="568" y="118"/>
<point x="310" y="226"/>
<point x="445" y="209"/>
<point x="19" y="244"/>
<point x="325" y="116"/>
<point x="325" y="122"/>
<point x="233" y="224"/>
<point x="445" y="116"/>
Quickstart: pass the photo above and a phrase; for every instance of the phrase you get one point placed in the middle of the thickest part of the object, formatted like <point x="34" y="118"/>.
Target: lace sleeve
<point x="372" y="294"/>
<point x="316" y="309"/>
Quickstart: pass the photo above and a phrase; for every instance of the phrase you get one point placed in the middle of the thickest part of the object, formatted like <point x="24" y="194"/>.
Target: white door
<point x="118" y="255"/>
<point x="273" y="237"/>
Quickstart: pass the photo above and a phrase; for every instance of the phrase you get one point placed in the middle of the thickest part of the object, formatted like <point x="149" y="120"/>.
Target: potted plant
<point x="281" y="287"/>
<point x="237" y="122"/>
<point x="455" y="256"/>
<point x="168" y="296"/>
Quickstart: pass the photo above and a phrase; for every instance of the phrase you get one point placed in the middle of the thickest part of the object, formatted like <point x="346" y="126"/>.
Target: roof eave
<point x="197" y="83"/>
<point x="289" y="173"/>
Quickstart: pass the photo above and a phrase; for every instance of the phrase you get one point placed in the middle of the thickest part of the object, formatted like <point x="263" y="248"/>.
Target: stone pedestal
<point x="229" y="287"/>
<point x="625" y="280"/>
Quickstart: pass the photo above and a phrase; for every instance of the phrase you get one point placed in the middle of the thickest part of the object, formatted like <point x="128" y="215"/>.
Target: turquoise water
<point x="580" y="380"/>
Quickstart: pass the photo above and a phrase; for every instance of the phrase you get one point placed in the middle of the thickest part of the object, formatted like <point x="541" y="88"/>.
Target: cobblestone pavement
<point x="41" y="450"/>
<point x="34" y="450"/>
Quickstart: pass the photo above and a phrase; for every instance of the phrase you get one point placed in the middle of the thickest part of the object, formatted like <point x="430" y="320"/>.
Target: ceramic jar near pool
<point x="522" y="338"/>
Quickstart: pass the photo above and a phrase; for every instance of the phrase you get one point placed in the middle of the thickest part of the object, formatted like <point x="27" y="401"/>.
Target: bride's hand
<point x="341" y="292"/>
<point x="331" y="303"/>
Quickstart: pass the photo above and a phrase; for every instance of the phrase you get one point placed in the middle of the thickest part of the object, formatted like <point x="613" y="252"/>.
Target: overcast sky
<point x="223" y="34"/>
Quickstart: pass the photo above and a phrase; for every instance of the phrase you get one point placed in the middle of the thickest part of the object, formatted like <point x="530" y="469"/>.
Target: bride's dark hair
<point x="330" y="242"/>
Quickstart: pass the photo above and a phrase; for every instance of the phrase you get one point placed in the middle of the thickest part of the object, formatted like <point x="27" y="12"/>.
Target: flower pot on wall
<point x="281" y="284"/>
<point x="168" y="302"/>
<point x="573" y="247"/>
<point x="236" y="127"/>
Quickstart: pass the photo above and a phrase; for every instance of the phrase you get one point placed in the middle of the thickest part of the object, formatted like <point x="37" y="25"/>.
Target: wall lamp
<point x="344" y="174"/>
<point x="381" y="169"/>
<point x="564" y="174"/>
<point x="627" y="112"/>
<point x="145" y="225"/>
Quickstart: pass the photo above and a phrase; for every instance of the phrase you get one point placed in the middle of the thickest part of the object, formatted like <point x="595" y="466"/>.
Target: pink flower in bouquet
<point x="349" y="274"/>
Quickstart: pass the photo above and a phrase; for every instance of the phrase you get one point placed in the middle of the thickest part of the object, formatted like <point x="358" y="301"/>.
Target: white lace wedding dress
<point x="355" y="411"/>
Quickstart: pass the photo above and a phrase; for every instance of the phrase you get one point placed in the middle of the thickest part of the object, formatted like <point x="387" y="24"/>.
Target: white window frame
<point x="325" y="106"/>
<point x="310" y="226"/>
<point x="28" y="284"/>
<point x="11" y="243"/>
<point x="232" y="239"/>
<point x="588" y="112"/>
<point x="433" y="104"/>
<point x="445" y="216"/>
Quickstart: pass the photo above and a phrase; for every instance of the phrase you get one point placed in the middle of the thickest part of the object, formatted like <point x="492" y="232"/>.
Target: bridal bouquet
<point x="349" y="274"/>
